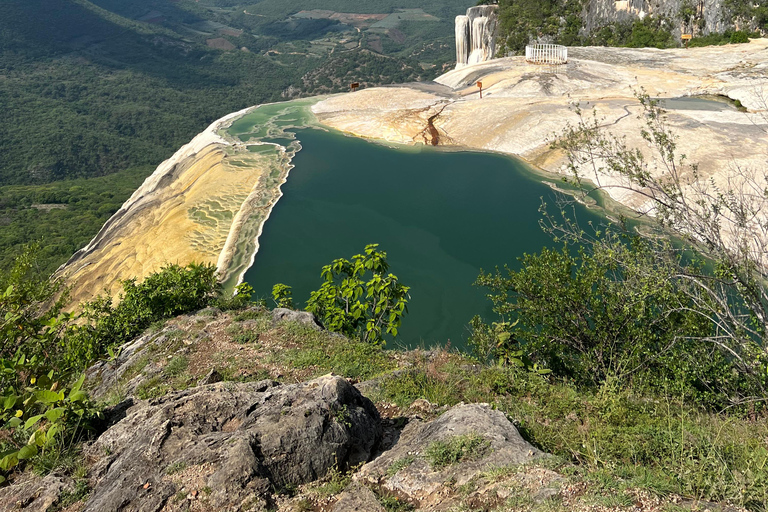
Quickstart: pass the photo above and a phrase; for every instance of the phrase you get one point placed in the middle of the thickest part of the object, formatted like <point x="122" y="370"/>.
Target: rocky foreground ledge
<point x="219" y="411"/>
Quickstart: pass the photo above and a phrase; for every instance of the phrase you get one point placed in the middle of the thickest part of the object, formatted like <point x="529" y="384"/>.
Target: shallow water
<point x="440" y="215"/>
<point x="709" y="103"/>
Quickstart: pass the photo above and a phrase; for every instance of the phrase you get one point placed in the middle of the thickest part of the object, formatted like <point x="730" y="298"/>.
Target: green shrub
<point x="40" y="412"/>
<point x="739" y="36"/>
<point x="31" y="317"/>
<point x="351" y="303"/>
<point x="440" y="454"/>
<point x="169" y="292"/>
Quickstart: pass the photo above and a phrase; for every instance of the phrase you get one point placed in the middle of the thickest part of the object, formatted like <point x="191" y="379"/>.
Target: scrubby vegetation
<point x="45" y="411"/>
<point x="353" y="304"/>
<point x="561" y="22"/>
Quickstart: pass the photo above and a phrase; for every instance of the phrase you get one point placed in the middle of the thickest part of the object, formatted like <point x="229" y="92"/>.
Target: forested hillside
<point x="93" y="88"/>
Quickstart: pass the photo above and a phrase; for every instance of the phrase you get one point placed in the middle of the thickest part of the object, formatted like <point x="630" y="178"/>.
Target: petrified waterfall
<point x="462" y="39"/>
<point x="476" y="35"/>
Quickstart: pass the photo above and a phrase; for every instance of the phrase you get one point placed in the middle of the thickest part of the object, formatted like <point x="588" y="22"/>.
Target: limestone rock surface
<point x="418" y="482"/>
<point x="236" y="443"/>
<point x="33" y="493"/>
<point x="304" y="318"/>
<point x="357" y="498"/>
<point x="525" y="107"/>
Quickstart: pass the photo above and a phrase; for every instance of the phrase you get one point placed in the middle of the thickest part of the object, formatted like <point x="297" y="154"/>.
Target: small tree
<point x="727" y="222"/>
<point x="359" y="298"/>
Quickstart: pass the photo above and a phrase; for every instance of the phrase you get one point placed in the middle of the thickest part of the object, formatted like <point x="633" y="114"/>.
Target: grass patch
<point x="177" y="366"/>
<point x="334" y="483"/>
<point x="251" y="314"/>
<point x="246" y="337"/>
<point x="80" y="491"/>
<point x="470" y="446"/>
<point x="176" y="467"/>
<point x="399" y="464"/>
<point x="392" y="503"/>
<point x="324" y="352"/>
<point x="153" y="388"/>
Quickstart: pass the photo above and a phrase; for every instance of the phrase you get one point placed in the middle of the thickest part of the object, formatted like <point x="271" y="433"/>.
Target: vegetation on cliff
<point x="562" y="22"/>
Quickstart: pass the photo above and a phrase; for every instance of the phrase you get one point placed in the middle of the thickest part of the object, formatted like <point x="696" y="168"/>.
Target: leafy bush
<point x="725" y="223"/>
<point x="42" y="412"/>
<point x="351" y="303"/>
<point x="739" y="36"/>
<point x="39" y="412"/>
<point x="169" y="292"/>
<point x="30" y="315"/>
<point x="239" y="300"/>
<point x="617" y="310"/>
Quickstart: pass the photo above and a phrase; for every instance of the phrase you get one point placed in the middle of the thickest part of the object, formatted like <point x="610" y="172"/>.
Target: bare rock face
<point x="476" y="35"/>
<point x="304" y="318"/>
<point x="33" y="493"/>
<point x="357" y="498"/>
<point x="232" y="445"/>
<point x="713" y="14"/>
<point x="405" y="471"/>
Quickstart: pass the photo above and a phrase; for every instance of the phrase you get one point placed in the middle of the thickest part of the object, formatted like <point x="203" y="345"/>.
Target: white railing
<point x="546" y="54"/>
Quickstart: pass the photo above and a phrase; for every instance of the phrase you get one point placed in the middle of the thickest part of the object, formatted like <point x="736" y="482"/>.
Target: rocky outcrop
<point x="476" y="35"/>
<point x="232" y="444"/>
<point x="406" y="472"/>
<point x="34" y="493"/>
<point x="304" y="318"/>
<point x="358" y="498"/>
<point x="709" y="14"/>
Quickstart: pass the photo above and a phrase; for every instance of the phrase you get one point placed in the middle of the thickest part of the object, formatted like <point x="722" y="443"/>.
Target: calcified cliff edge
<point x="476" y="35"/>
<point x="207" y="203"/>
<point x="210" y="200"/>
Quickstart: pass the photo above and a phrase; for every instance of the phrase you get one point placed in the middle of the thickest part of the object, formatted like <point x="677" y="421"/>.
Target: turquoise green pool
<point x="440" y="215"/>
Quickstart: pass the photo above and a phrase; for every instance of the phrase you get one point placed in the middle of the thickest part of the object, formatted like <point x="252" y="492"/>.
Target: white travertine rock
<point x="476" y="35"/>
<point x="462" y="39"/>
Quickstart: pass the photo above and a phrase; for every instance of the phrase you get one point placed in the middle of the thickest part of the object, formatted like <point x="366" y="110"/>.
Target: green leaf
<point x="9" y="461"/>
<point x="10" y="402"/>
<point x="39" y="438"/>
<point x="80" y="396"/>
<point x="54" y="414"/>
<point x="27" y="452"/>
<point x="32" y="421"/>
<point x="14" y="422"/>
<point x="48" y="397"/>
<point x="51" y="434"/>
<point x="77" y="386"/>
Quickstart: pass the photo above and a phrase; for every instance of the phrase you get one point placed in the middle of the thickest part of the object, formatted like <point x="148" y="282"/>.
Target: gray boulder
<point x="405" y="470"/>
<point x="230" y="445"/>
<point x="357" y="498"/>
<point x="301" y="317"/>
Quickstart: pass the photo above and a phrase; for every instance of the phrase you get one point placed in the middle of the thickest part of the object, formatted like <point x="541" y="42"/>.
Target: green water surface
<point x="440" y="215"/>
